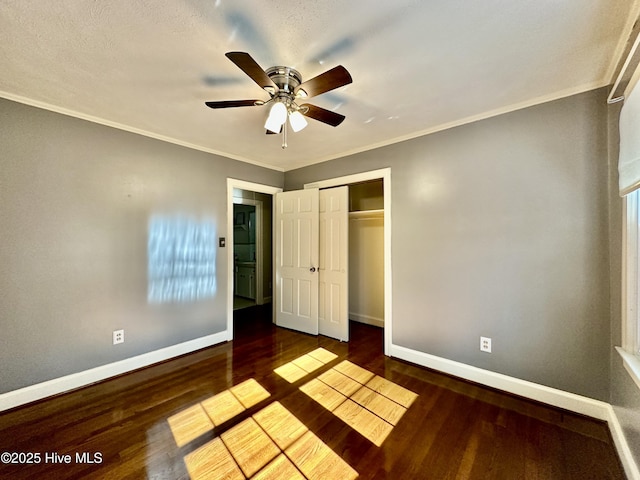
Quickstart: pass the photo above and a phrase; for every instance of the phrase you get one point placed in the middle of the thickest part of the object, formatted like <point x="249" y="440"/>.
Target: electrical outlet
<point x="118" y="336"/>
<point x="485" y="344"/>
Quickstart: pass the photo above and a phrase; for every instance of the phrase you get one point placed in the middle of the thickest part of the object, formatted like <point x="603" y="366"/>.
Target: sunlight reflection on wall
<point x="182" y="259"/>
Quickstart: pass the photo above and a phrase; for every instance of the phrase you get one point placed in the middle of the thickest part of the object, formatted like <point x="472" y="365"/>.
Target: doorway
<point x="249" y="207"/>
<point x="247" y="236"/>
<point x="384" y="175"/>
<point x="366" y="252"/>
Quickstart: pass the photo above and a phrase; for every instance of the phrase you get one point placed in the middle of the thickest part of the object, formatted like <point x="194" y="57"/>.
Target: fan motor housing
<point x="286" y="78"/>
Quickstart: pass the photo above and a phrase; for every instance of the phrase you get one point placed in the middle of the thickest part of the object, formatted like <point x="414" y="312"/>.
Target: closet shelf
<point x="367" y="213"/>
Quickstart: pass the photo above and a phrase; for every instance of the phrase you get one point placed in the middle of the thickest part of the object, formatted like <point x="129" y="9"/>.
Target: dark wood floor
<point x="453" y="430"/>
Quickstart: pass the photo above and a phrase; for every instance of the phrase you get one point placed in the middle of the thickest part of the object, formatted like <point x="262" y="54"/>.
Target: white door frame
<point x="252" y="187"/>
<point x="385" y="175"/>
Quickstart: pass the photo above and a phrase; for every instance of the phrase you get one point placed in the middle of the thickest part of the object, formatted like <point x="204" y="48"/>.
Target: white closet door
<point x="297" y="235"/>
<point x="333" y="313"/>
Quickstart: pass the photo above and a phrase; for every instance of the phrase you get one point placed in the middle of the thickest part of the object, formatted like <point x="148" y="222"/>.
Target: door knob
<point x="312" y="269"/>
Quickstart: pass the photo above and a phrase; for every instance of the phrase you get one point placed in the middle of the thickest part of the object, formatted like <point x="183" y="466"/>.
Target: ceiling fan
<point x="285" y="87"/>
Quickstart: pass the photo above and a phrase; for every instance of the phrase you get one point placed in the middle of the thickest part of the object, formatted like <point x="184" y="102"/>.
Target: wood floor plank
<point x="222" y="407"/>
<point x="280" y="424"/>
<point x="291" y="372"/>
<point x="392" y="391"/>
<point x="386" y="409"/>
<point x="317" y="461"/>
<point x="212" y="461"/>
<point x="279" y="469"/>
<point x="250" y="393"/>
<point x="359" y="374"/>
<point x="189" y="424"/>
<point x="363" y="421"/>
<point x="308" y="363"/>
<point x="323" y="355"/>
<point x="250" y="446"/>
<point x="340" y="382"/>
<point x="323" y="394"/>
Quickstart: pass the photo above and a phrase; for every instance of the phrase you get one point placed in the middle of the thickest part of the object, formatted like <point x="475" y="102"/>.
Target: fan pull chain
<point x="284" y="135"/>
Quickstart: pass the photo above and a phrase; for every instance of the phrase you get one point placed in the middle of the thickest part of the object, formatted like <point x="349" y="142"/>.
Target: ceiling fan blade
<point x="321" y="114"/>
<point x="234" y="103"/>
<point x="248" y="65"/>
<point x="334" y="78"/>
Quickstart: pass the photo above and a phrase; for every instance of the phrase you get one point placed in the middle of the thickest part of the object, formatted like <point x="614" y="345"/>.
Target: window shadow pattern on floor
<point x="273" y="443"/>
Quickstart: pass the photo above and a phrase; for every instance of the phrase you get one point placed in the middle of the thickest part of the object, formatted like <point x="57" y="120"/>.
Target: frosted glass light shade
<point x="297" y="121"/>
<point x="277" y="117"/>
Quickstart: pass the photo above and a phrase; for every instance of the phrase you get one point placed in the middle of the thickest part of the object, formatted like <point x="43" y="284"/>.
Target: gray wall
<point x="625" y="396"/>
<point x="500" y="229"/>
<point x="75" y="203"/>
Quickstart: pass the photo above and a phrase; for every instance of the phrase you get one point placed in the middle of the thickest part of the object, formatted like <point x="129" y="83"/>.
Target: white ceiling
<point x="418" y="66"/>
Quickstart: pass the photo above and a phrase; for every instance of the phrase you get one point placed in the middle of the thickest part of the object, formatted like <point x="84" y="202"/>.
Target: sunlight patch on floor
<point x="308" y="363"/>
<point x="222" y="407"/>
<point x="250" y="393"/>
<point x="393" y="391"/>
<point x="280" y="424"/>
<point x="325" y="356"/>
<point x="317" y="461"/>
<point x="250" y="446"/>
<point x="290" y="372"/>
<point x="369" y="404"/>
<point x="379" y="404"/>
<point x="323" y="394"/>
<point x="305" y="364"/>
<point x="199" y="419"/>
<point x="211" y="461"/>
<point x="343" y="384"/>
<point x="272" y="444"/>
<point x="279" y="469"/>
<point x="367" y="424"/>
<point x="189" y="424"/>
<point x="359" y="374"/>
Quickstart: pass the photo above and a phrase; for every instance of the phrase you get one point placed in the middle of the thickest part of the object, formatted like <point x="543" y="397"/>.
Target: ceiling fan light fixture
<point x="284" y="86"/>
<point x="297" y="121"/>
<point x="277" y="117"/>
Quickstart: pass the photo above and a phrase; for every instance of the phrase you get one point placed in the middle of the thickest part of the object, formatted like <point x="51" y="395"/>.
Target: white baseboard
<point x="535" y="391"/>
<point x="551" y="396"/>
<point x="368" y="319"/>
<point x="620" y="441"/>
<point x="42" y="390"/>
<point x="263" y="301"/>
